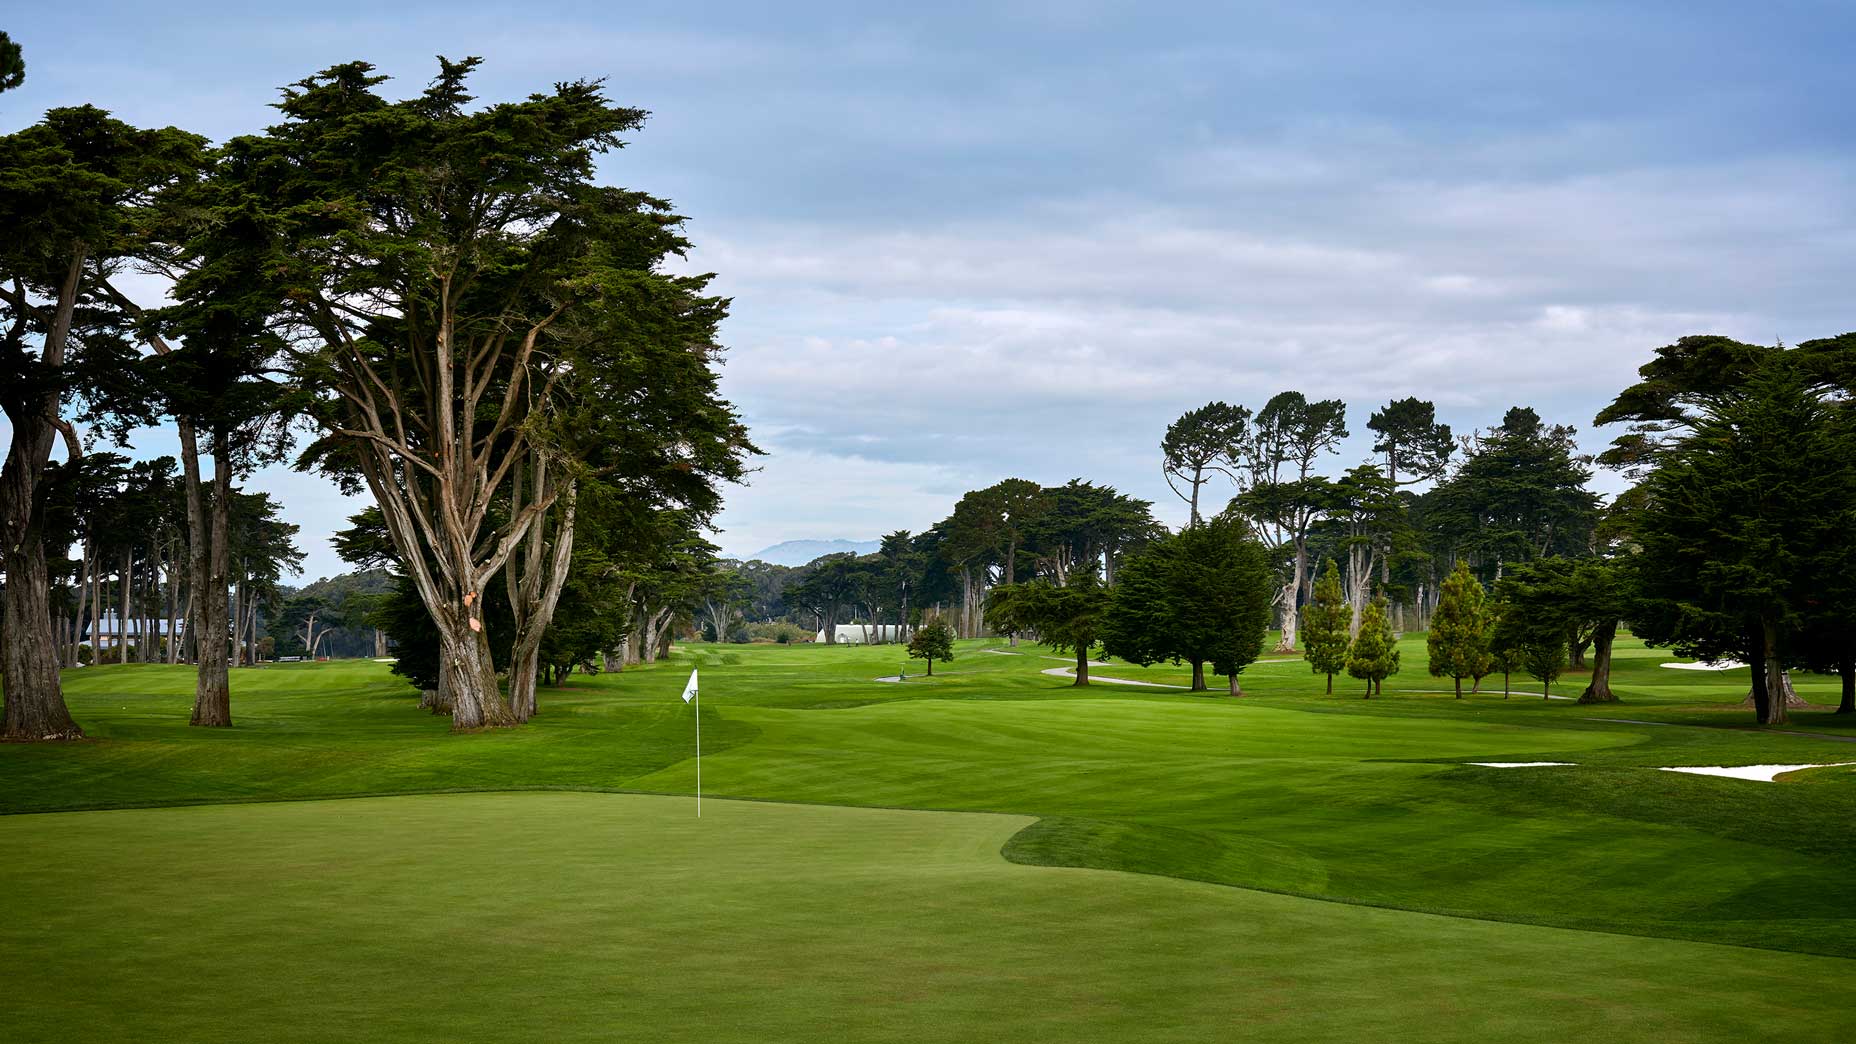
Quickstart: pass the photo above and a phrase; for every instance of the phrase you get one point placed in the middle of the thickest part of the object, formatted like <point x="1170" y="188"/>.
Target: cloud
<point x="969" y="241"/>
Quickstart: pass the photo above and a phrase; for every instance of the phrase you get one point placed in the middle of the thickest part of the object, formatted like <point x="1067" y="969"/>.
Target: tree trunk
<point x="125" y="582"/>
<point x="1198" y="676"/>
<point x="524" y="677"/>
<point x="1330" y="683"/>
<point x="476" y="702"/>
<point x="212" y="691"/>
<point x="1776" y="682"/>
<point x="1082" y="665"/>
<point x="83" y="606"/>
<point x="1459" y="686"/>
<point x="1604" y="635"/>
<point x="173" y="656"/>
<point x="1847" y="669"/>
<point x="29" y="684"/>
<point x="1237" y="687"/>
<point x="536" y="591"/>
<point x="1757" y="647"/>
<point x="1369" y="690"/>
<point x="35" y="708"/>
<point x="1291" y="591"/>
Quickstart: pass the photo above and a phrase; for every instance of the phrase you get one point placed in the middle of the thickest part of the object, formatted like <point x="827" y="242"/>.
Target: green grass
<point x="569" y="917"/>
<point x="1366" y="803"/>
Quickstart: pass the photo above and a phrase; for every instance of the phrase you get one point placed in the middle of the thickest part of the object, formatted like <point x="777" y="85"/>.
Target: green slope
<point x="567" y="917"/>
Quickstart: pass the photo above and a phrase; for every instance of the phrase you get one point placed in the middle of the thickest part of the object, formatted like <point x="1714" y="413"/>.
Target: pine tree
<point x="1324" y="626"/>
<point x="1374" y="655"/>
<point x="1460" y="630"/>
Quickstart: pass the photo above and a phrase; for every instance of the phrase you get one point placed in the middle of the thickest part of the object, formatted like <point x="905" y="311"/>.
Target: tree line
<point x="1734" y="541"/>
<point x="441" y="295"/>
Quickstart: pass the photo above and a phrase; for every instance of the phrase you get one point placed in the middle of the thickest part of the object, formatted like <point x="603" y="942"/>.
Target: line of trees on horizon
<point x="1737" y="539"/>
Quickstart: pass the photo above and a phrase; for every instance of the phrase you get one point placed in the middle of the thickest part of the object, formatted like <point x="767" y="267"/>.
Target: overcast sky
<point x="972" y="242"/>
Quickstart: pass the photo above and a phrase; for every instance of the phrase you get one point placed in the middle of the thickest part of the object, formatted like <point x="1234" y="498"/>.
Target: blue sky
<point x="973" y="241"/>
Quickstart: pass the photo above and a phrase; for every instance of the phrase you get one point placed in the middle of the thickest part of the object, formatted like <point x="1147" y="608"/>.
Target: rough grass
<point x="1286" y="791"/>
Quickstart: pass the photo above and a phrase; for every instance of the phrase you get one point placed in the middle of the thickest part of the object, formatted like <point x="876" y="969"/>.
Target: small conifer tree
<point x="1374" y="655"/>
<point x="1460" y="629"/>
<point x="1544" y="656"/>
<point x="1324" y="626"/>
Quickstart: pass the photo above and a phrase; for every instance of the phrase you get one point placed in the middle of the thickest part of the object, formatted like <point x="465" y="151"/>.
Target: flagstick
<point x="698" y="753"/>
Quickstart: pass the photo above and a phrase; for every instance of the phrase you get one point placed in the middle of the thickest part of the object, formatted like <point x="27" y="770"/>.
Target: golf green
<point x="564" y="917"/>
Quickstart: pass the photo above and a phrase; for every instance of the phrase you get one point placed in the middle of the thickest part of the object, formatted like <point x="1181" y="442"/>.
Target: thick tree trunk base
<point x="1792" y="699"/>
<point x="1593" y="694"/>
<point x="35" y="710"/>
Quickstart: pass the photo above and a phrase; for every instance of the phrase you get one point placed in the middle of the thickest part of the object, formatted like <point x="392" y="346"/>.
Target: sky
<point x="969" y="242"/>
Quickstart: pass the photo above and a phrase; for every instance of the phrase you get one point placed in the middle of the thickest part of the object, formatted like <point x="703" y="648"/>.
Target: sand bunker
<point x="1703" y="665"/>
<point x="1759" y="773"/>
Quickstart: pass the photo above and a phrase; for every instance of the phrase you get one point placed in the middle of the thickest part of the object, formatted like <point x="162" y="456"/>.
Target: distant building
<point x="102" y="634"/>
<point x="864" y="634"/>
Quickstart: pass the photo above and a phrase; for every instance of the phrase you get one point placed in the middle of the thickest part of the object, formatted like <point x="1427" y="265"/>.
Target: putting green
<point x="566" y="917"/>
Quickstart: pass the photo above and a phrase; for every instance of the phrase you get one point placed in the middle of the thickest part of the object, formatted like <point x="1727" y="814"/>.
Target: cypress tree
<point x="1459" y="638"/>
<point x="1324" y="626"/>
<point x="1374" y="655"/>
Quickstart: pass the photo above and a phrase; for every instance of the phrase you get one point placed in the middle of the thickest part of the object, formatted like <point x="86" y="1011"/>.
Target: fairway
<point x="936" y="858"/>
<point x="617" y="917"/>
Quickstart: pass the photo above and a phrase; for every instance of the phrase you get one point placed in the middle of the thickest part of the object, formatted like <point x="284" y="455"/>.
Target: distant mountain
<point x="799" y="552"/>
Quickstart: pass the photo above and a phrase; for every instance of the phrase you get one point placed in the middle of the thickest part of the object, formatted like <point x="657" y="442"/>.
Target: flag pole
<point x="692" y="694"/>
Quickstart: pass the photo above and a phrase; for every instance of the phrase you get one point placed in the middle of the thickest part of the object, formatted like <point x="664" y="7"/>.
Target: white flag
<point x="689" y="690"/>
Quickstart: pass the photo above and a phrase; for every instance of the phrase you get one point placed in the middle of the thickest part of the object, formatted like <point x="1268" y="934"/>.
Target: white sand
<point x="1759" y="773"/>
<point x="1703" y="665"/>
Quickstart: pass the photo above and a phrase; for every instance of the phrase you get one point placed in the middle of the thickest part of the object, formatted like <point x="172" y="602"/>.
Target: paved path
<point x="1070" y="672"/>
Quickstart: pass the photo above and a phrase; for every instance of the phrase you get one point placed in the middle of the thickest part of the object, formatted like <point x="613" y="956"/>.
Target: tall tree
<point x="1289" y="438"/>
<point x="68" y="185"/>
<point x="1417" y="448"/>
<point x="1368" y="520"/>
<point x="1067" y="618"/>
<point x="827" y="588"/>
<point x="1742" y="519"/>
<point x="1458" y="642"/>
<point x="1200" y="596"/>
<point x="1519" y="495"/>
<point x="1325" y="626"/>
<point x="1088" y="526"/>
<point x="1201" y="443"/>
<point x="436" y="264"/>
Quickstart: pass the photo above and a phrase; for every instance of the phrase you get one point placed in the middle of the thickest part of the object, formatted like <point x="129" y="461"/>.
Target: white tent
<point x="863" y="634"/>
